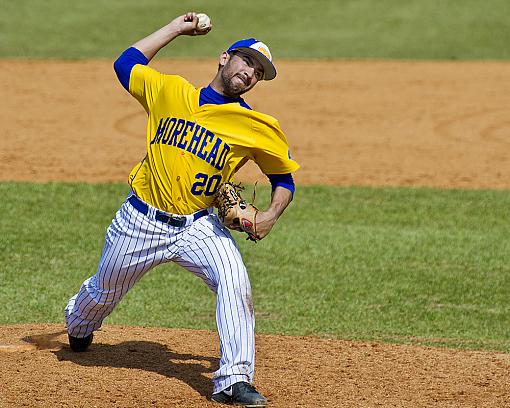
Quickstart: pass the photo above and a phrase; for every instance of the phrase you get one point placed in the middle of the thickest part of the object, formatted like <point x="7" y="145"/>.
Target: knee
<point x="104" y="295"/>
<point x="238" y="287"/>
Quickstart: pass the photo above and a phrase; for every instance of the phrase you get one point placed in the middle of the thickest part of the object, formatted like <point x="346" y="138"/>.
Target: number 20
<point x="203" y="180"/>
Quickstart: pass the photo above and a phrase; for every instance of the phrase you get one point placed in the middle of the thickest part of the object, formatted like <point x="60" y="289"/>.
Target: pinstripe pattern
<point x="136" y="243"/>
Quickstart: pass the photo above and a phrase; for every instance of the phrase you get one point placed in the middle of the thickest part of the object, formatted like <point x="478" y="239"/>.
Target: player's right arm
<point x="182" y="25"/>
<point x="148" y="82"/>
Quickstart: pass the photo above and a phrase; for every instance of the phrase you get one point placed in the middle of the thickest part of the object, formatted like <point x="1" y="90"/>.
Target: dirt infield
<point x="147" y="367"/>
<point x="349" y="123"/>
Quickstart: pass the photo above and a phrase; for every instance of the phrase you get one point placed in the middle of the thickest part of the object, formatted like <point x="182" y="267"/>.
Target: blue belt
<point x="173" y="220"/>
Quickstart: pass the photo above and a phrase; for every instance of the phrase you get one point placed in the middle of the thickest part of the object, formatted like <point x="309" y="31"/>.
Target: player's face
<point x="240" y="73"/>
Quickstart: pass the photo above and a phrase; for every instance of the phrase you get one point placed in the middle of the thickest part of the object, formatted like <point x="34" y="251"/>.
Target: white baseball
<point x="204" y="22"/>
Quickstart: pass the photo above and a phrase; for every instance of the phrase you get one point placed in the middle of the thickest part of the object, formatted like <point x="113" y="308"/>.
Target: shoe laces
<point x="248" y="387"/>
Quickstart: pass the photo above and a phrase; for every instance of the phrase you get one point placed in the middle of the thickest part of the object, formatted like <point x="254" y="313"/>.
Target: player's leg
<point x="134" y="244"/>
<point x="212" y="254"/>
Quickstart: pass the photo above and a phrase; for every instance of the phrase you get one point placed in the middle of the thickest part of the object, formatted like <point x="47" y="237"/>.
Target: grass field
<point x="402" y="29"/>
<point x="422" y="265"/>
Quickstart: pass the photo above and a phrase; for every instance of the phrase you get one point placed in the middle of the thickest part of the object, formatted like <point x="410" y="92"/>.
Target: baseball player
<point x="197" y="138"/>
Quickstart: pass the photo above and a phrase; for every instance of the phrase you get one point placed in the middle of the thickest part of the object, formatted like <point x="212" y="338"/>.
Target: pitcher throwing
<point x="197" y="138"/>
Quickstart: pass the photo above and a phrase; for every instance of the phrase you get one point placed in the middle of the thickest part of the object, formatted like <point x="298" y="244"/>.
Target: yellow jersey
<point x="192" y="149"/>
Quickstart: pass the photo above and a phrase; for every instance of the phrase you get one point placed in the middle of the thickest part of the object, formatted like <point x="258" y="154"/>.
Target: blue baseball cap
<point x="258" y="50"/>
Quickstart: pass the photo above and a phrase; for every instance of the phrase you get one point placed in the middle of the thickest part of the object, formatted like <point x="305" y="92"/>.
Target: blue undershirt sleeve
<point x="282" y="180"/>
<point x="125" y="63"/>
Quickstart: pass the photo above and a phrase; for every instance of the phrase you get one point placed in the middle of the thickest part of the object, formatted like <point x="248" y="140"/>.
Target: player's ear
<point x="224" y="57"/>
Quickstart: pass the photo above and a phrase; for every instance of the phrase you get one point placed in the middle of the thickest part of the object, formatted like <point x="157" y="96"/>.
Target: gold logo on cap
<point x="264" y="51"/>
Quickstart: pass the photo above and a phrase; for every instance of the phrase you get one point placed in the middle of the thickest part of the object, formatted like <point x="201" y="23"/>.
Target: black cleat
<point x="241" y="394"/>
<point x="79" y="344"/>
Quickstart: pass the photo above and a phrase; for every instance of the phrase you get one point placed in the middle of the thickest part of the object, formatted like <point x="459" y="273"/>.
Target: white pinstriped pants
<point x="136" y="243"/>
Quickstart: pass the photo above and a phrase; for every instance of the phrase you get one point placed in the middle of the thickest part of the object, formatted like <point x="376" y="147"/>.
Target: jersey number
<point x="205" y="185"/>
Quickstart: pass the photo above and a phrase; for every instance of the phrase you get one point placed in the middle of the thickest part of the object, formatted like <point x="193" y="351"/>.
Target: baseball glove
<point x="234" y="212"/>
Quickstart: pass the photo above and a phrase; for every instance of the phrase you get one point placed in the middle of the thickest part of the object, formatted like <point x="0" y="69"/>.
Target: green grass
<point x="401" y="29"/>
<point x="401" y="265"/>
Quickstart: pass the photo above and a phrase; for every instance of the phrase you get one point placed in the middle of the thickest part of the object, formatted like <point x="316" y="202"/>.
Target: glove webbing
<point x="228" y="201"/>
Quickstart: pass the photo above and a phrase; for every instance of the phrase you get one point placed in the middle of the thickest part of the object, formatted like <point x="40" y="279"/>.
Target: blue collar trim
<point x="209" y="95"/>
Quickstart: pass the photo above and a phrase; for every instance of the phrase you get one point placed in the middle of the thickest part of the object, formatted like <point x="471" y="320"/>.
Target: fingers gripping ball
<point x="204" y="22"/>
<point x="234" y="212"/>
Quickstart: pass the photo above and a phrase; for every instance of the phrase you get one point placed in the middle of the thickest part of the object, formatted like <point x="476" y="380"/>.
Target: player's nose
<point x="250" y="73"/>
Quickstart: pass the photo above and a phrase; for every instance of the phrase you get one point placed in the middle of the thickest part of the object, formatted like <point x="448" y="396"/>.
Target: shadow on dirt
<point x="45" y="341"/>
<point x="142" y="355"/>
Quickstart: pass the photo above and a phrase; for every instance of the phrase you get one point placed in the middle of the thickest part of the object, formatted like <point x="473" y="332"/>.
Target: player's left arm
<point x="272" y="155"/>
<point x="282" y="194"/>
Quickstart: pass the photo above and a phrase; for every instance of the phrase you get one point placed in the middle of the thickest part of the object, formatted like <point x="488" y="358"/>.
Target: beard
<point x="233" y="85"/>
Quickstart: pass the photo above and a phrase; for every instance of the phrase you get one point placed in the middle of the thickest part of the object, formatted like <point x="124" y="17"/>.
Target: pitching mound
<point x="148" y="367"/>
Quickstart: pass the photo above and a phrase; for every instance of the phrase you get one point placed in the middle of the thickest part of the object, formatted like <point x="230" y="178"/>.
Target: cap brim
<point x="269" y="69"/>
